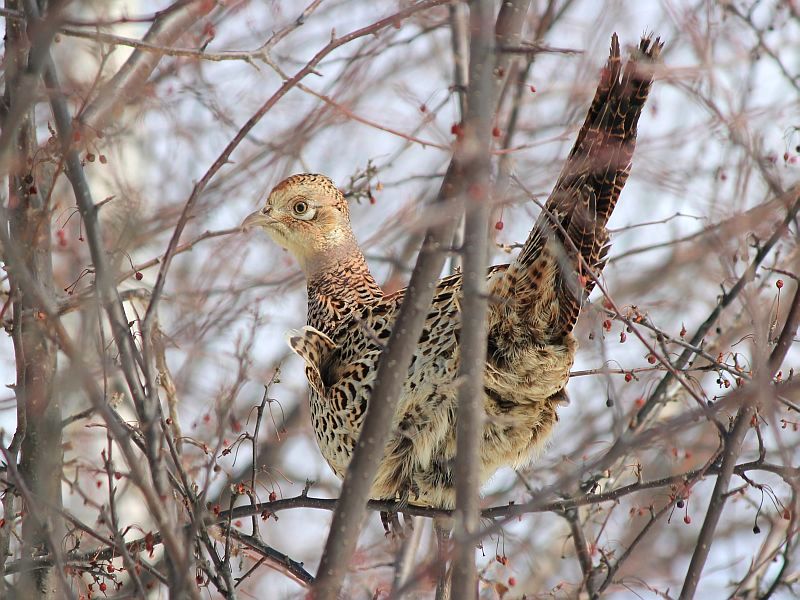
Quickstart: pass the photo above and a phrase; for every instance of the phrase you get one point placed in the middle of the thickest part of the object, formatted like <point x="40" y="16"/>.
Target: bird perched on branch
<point x="535" y="302"/>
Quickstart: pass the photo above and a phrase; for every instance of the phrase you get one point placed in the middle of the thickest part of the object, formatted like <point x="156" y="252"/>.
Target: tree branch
<point x="474" y="154"/>
<point x="733" y="445"/>
<point x="129" y="80"/>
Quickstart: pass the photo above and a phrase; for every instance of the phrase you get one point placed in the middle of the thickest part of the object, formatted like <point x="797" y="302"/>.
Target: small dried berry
<point x="138" y="275"/>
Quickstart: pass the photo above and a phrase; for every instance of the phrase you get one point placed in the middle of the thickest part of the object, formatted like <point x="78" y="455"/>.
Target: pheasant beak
<point x="259" y="218"/>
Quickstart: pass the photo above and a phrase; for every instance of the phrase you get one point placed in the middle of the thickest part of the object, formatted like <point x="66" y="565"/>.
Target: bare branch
<point x="170" y="25"/>
<point x="473" y="153"/>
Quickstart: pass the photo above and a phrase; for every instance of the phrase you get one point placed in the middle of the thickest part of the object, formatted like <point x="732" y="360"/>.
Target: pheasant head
<point x="308" y="215"/>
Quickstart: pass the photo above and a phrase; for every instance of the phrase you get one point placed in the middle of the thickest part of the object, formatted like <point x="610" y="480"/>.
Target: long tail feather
<point x="547" y="283"/>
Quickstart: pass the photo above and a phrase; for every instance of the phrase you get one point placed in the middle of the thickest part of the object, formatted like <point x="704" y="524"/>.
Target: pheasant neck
<point x="337" y="286"/>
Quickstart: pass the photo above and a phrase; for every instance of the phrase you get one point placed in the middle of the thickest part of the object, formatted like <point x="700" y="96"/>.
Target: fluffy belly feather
<point x="520" y="402"/>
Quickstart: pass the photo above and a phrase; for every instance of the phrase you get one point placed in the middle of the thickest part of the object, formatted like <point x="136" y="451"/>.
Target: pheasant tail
<point x="552" y="275"/>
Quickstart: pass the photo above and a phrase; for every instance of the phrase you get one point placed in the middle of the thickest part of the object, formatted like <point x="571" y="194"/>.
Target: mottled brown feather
<point x="535" y="303"/>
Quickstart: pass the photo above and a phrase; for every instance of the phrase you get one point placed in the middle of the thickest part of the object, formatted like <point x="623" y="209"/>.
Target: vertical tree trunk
<point x="39" y="409"/>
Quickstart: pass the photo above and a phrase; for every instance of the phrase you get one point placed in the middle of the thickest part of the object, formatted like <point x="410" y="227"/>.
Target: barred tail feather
<point x="549" y="279"/>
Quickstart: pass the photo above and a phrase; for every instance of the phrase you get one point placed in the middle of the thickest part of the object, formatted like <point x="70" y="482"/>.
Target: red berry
<point x="533" y="89"/>
<point x="456" y="129"/>
<point x="512" y="581"/>
<point x="273" y="496"/>
<point x="499" y="226"/>
<point x="622" y="337"/>
<point x="651" y="358"/>
<point x="496" y="132"/>
<point x="103" y="159"/>
<point x="607" y="324"/>
<point x="687" y="519"/>
<point x="628" y="377"/>
<point x="779" y="283"/>
<point x="138" y="276"/>
<point x="103" y="586"/>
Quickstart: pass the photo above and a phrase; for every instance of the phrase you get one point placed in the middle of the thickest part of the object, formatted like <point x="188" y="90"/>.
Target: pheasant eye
<point x="300" y="207"/>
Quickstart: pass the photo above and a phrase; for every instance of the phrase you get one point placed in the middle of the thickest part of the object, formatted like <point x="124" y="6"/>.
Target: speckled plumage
<point x="535" y="304"/>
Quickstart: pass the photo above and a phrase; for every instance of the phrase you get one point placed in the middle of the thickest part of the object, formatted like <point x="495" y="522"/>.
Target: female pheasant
<point x="535" y="304"/>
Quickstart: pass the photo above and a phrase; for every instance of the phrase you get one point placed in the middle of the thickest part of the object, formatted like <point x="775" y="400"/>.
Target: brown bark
<point x="39" y="409"/>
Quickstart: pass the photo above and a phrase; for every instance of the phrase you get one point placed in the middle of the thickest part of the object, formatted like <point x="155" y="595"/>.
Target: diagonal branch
<point x="733" y="446"/>
<point x="661" y="389"/>
<point x="129" y="80"/>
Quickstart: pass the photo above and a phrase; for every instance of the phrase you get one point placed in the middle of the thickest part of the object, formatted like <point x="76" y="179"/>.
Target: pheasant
<point x="535" y="302"/>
